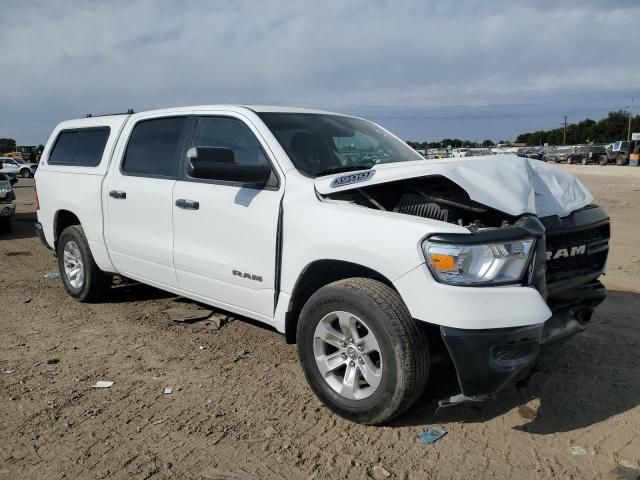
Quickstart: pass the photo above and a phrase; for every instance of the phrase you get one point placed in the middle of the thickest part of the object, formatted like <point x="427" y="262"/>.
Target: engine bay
<point x="434" y="197"/>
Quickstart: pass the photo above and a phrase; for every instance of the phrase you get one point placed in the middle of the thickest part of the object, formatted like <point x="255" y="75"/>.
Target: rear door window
<point x="82" y="147"/>
<point x="154" y="148"/>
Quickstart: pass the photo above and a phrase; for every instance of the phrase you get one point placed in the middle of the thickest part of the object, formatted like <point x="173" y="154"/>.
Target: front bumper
<point x="488" y="360"/>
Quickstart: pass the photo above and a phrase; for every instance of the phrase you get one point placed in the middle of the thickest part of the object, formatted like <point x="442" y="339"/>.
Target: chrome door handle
<point x="187" y="204"/>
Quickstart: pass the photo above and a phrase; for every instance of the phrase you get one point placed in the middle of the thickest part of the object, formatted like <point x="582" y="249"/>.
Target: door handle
<point x="187" y="204"/>
<point x="118" y="194"/>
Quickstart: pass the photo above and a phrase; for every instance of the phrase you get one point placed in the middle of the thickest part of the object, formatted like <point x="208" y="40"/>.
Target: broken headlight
<point x="489" y="263"/>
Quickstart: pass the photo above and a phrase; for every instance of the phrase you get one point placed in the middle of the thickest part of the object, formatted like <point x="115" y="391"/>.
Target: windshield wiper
<point x="345" y="168"/>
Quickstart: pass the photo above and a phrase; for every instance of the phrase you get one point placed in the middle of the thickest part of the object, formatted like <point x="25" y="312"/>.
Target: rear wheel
<point x="82" y="278"/>
<point x="584" y="160"/>
<point x="621" y="160"/>
<point x="569" y="161"/>
<point x="25" y="173"/>
<point x="603" y="160"/>
<point x="362" y="353"/>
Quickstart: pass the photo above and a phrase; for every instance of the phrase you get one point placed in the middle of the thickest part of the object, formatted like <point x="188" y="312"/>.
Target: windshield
<point x="320" y="144"/>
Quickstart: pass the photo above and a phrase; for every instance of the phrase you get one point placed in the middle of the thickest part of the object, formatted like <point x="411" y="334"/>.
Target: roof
<point x="119" y="118"/>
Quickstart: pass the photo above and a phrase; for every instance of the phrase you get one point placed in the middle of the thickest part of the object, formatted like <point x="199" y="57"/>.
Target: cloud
<point x="64" y="59"/>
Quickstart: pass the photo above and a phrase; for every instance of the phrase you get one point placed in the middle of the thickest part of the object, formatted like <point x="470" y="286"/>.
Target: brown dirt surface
<point x="240" y="407"/>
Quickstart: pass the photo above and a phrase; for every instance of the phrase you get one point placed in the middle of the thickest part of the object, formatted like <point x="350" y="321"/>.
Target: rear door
<point x="225" y="249"/>
<point x="138" y="196"/>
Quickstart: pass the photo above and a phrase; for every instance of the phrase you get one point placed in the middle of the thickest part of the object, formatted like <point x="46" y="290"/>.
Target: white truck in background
<point x="374" y="260"/>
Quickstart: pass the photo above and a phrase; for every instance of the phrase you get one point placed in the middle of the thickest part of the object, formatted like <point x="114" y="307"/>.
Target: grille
<point x="593" y="261"/>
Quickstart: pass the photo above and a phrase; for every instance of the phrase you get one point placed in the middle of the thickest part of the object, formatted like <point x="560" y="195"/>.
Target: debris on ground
<point x="167" y="390"/>
<point x="52" y="276"/>
<point x="18" y="254"/>
<point x="53" y="361"/>
<point x="432" y="434"/>
<point x="103" y="384"/>
<point x="380" y="473"/>
<point x="217" y="321"/>
<point x="188" y="315"/>
<point x="528" y="413"/>
<point x="578" y="451"/>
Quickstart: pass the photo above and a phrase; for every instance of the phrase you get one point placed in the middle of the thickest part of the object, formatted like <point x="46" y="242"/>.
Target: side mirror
<point x="218" y="163"/>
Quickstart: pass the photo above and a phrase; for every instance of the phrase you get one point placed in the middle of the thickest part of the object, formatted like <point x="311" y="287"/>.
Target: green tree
<point x="7" y="145"/>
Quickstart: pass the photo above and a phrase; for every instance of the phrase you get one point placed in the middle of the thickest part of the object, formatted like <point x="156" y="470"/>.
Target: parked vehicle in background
<point x="7" y="203"/>
<point x="530" y="152"/>
<point x="18" y="166"/>
<point x="557" y="155"/>
<point x="587" y="154"/>
<point x="329" y="228"/>
<point x="618" y="153"/>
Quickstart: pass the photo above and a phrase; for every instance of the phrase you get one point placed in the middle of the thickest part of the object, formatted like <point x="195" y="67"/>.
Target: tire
<point x="569" y="161"/>
<point x="370" y="308"/>
<point x="621" y="160"/>
<point x="603" y="160"/>
<point x="25" y="173"/>
<point x="94" y="283"/>
<point x="5" y="225"/>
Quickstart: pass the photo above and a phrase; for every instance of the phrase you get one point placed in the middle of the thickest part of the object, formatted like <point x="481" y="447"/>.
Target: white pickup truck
<point x="332" y="230"/>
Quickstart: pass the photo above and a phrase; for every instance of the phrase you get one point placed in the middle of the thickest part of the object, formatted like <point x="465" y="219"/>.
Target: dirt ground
<point x="240" y="407"/>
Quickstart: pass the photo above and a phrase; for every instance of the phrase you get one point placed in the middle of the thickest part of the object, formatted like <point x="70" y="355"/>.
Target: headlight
<point x="459" y="264"/>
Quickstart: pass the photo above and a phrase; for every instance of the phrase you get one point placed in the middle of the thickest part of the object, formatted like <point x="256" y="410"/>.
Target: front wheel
<point x="82" y="278"/>
<point x="621" y="160"/>
<point x="25" y="173"/>
<point x="361" y="351"/>
<point x="603" y="160"/>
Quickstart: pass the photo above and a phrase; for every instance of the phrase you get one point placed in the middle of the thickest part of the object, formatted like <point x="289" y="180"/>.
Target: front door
<point x="225" y="233"/>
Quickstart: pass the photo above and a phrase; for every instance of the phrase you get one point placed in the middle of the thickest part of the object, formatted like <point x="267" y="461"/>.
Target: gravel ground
<point x="240" y="407"/>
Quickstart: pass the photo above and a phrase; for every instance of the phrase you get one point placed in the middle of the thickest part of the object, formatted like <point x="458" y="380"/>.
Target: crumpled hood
<point x="508" y="183"/>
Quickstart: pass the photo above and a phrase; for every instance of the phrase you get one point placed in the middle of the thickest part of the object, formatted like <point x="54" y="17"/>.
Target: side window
<point x="230" y="133"/>
<point x="154" y="147"/>
<point x="82" y="147"/>
<point x="62" y="153"/>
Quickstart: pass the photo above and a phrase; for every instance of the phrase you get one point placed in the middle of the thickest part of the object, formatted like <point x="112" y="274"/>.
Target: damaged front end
<point x="569" y="254"/>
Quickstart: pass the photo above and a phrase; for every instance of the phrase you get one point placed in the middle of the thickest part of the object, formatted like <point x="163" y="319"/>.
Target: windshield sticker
<point x="353" y="178"/>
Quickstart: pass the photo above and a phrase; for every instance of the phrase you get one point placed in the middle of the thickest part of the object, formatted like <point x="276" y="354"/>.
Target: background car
<point x="587" y="154"/>
<point x="19" y="167"/>
<point x="617" y="152"/>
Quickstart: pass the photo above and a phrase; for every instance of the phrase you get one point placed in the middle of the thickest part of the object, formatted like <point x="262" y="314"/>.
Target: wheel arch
<point x="61" y="220"/>
<point x="316" y="275"/>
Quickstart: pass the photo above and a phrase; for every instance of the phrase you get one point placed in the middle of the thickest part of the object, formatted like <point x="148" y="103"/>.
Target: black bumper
<point x="488" y="360"/>
<point x="40" y="232"/>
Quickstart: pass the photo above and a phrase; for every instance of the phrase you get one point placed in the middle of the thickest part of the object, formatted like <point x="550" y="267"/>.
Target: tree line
<point x="613" y="127"/>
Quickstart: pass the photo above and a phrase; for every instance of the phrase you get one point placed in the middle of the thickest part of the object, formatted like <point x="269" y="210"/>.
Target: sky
<point x="472" y="69"/>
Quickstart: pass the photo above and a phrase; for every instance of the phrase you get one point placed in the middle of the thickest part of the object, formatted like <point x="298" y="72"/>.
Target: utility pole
<point x="564" y="135"/>
<point x="630" y="115"/>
